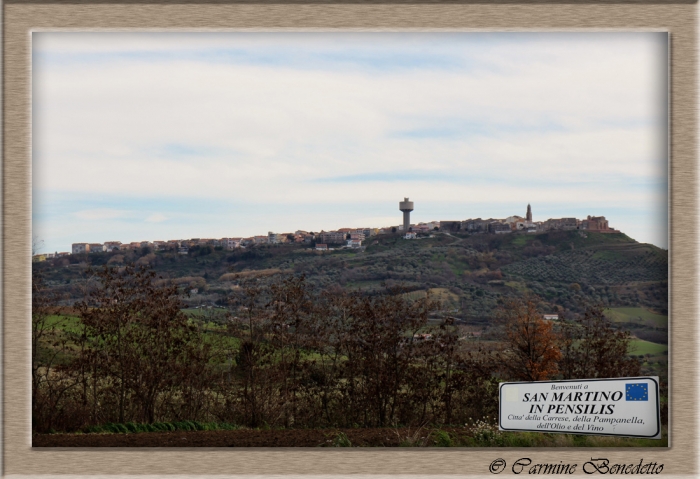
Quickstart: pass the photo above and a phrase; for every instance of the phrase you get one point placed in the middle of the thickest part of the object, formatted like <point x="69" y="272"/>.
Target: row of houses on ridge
<point x="354" y="237"/>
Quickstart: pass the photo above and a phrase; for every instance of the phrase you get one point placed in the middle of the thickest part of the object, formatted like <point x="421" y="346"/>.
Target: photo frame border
<point x="21" y="17"/>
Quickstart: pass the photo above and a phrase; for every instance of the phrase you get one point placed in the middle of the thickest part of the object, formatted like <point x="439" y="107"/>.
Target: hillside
<point x="251" y="359"/>
<point x="475" y="272"/>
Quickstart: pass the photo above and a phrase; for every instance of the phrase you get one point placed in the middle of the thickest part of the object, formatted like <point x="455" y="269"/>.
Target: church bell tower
<point x="528" y="216"/>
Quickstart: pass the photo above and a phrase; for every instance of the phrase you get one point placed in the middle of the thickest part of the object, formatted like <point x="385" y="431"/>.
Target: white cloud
<point x="570" y="118"/>
<point x="156" y="218"/>
<point x="99" y="214"/>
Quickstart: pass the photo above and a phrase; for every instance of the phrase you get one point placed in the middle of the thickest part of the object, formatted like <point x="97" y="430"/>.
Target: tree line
<point x="288" y="355"/>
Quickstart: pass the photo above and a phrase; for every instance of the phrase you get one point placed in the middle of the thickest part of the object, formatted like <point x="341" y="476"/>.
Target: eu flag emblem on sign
<point x="636" y="392"/>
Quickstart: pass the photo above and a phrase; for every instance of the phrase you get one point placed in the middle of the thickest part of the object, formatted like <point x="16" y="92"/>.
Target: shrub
<point x="133" y="427"/>
<point x="341" y="440"/>
<point x="443" y="439"/>
<point x="485" y="433"/>
<point x="198" y="426"/>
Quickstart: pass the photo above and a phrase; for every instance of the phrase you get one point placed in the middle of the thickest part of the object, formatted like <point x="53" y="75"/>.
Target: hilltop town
<point x="354" y="237"/>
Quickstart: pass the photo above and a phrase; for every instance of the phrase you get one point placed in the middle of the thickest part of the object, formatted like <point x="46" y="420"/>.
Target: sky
<point x="159" y="136"/>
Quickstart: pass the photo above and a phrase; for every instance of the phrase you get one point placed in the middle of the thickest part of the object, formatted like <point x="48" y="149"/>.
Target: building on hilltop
<point x="528" y="215"/>
<point x="563" y="224"/>
<point x="77" y="248"/>
<point x="333" y="237"/>
<point x="475" y="226"/>
<point x="112" y="245"/>
<point x="279" y="238"/>
<point x="96" y="248"/>
<point x="230" y="243"/>
<point x="497" y="227"/>
<point x="207" y="241"/>
<point x="515" y="222"/>
<point x="597" y="224"/>
<point x="450" y="226"/>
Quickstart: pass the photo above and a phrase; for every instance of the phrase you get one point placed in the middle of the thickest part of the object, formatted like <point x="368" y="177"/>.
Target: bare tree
<point x="141" y="344"/>
<point x="593" y="348"/>
<point x="50" y="383"/>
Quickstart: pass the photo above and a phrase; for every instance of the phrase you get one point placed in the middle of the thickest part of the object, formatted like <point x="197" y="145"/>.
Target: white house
<point x="231" y="243"/>
<point x="112" y="245"/>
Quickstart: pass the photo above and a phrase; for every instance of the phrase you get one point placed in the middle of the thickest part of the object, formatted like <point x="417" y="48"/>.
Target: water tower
<point x="406" y="206"/>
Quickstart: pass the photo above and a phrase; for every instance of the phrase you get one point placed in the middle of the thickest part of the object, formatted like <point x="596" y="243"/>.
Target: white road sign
<point x="603" y="407"/>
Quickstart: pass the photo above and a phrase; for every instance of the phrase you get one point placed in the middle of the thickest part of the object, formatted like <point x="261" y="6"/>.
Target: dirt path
<point x="386" y="437"/>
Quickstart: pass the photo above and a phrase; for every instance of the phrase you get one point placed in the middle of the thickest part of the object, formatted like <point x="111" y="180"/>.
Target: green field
<point x="443" y="295"/>
<point x="204" y="314"/>
<point x="637" y="315"/>
<point x="364" y="285"/>
<point x="69" y="324"/>
<point x="520" y="240"/>
<point x="639" y="347"/>
<point x="518" y="286"/>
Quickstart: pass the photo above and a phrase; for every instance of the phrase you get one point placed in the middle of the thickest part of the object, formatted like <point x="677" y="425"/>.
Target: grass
<point x="639" y="347"/>
<point x="519" y="240"/>
<point x="365" y="285"/>
<point x="441" y="294"/>
<point x="518" y="286"/>
<point x="636" y="315"/>
<point x="443" y="439"/>
<point x="69" y="324"/>
<point x="341" y="440"/>
<point x="448" y="299"/>
<point x="131" y="428"/>
<point x="201" y="312"/>
<point x="482" y="434"/>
